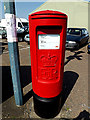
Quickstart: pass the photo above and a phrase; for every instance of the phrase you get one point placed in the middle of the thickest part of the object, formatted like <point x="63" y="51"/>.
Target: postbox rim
<point x="49" y="12"/>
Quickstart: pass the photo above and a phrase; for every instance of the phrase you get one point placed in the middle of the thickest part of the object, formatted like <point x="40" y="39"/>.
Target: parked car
<point x="76" y="37"/>
<point x="3" y="33"/>
<point x="88" y="48"/>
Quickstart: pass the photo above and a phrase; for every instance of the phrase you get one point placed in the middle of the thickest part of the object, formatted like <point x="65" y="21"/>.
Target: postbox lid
<point x="48" y="13"/>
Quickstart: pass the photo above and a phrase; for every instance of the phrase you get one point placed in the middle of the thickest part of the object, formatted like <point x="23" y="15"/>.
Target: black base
<point x="47" y="107"/>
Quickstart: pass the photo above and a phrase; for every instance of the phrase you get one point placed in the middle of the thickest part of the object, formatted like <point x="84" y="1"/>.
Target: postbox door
<point x="48" y="53"/>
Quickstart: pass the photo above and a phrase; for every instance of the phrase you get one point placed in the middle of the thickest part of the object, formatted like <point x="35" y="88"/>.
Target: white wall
<point x="77" y="11"/>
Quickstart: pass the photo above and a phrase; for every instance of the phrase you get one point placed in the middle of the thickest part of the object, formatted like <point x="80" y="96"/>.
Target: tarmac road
<point x="75" y="85"/>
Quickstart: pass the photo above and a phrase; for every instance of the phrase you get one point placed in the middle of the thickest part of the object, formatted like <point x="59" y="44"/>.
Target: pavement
<point x="75" y="85"/>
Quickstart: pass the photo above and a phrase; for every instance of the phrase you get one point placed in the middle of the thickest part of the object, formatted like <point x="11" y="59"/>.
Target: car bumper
<point x="71" y="45"/>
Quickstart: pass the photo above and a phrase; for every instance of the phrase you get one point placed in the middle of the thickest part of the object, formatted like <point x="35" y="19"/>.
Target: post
<point x="9" y="8"/>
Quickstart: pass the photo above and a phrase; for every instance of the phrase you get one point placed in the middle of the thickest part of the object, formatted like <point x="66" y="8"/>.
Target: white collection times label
<point x="11" y="27"/>
<point x="49" y="41"/>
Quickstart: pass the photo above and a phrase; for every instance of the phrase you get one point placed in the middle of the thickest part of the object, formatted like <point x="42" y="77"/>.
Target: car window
<point x="74" y="31"/>
<point x="84" y="32"/>
<point x="25" y="24"/>
<point x="19" y="24"/>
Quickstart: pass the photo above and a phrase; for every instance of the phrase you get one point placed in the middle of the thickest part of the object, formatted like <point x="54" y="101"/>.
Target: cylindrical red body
<point x="47" y="62"/>
<point x="47" y="31"/>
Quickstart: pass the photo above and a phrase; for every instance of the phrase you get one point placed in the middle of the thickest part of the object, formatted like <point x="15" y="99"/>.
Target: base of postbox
<point x="47" y="107"/>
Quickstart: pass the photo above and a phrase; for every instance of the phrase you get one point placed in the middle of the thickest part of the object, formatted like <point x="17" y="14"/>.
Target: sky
<point x="23" y="9"/>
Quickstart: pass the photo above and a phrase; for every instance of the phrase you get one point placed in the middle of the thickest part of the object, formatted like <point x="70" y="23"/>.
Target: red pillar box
<point x="47" y="31"/>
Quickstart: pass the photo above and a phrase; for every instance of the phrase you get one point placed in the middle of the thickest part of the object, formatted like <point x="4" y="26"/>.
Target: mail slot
<point x="47" y="31"/>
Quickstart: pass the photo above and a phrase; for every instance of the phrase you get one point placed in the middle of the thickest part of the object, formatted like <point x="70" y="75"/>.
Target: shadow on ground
<point x="77" y="55"/>
<point x="7" y="87"/>
<point x="84" y="115"/>
<point x="69" y="81"/>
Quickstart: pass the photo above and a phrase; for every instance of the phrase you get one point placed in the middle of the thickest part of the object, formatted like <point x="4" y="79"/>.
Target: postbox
<point x="47" y="31"/>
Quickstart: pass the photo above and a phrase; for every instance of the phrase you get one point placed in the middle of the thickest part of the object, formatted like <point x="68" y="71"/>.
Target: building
<point x="76" y="10"/>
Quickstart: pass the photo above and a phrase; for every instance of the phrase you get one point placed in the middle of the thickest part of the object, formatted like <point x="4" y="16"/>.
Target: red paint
<point x="47" y="65"/>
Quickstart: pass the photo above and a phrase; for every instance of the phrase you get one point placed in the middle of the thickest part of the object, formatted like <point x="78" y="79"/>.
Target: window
<point x="19" y="24"/>
<point x="74" y="31"/>
<point x="25" y="24"/>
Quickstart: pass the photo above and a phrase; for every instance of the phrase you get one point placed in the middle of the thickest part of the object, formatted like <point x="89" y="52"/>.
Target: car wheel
<point x="20" y="39"/>
<point x="88" y="52"/>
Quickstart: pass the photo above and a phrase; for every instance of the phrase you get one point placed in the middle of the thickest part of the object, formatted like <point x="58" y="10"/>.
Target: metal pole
<point x="9" y="8"/>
